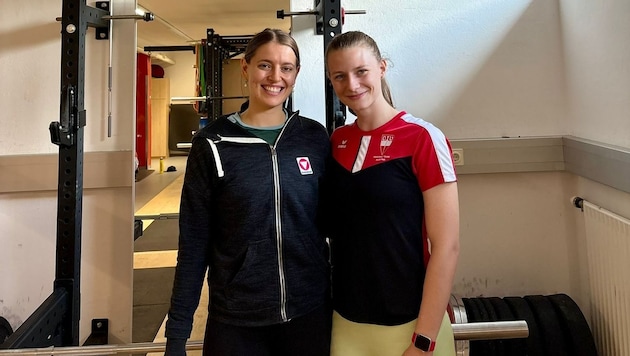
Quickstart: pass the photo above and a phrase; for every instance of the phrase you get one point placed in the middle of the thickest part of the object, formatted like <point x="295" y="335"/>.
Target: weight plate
<point x="513" y="347"/>
<point x="5" y="330"/>
<point x="575" y="326"/>
<point x="549" y="324"/>
<point x="521" y="310"/>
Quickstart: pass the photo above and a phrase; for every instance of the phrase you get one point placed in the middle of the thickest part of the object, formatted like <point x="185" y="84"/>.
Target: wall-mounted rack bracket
<point x="102" y="32"/>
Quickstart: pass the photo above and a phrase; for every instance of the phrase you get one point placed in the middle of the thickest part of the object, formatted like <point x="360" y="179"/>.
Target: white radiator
<point x="608" y="252"/>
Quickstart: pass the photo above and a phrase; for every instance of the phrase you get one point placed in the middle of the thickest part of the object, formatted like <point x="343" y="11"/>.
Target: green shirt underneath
<point x="269" y="134"/>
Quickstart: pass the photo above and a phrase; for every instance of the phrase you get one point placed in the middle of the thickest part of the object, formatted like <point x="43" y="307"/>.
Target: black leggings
<point x="308" y="335"/>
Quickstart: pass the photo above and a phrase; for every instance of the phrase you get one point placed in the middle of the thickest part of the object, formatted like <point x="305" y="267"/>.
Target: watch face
<point x="423" y="343"/>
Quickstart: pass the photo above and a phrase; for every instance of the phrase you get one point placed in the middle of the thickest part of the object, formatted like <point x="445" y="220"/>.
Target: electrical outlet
<point x="458" y="156"/>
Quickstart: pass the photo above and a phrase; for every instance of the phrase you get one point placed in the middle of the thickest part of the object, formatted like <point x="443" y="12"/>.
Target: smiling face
<point x="270" y="73"/>
<point x="355" y="74"/>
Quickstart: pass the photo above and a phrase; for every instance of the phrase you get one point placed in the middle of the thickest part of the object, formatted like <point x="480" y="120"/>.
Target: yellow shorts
<point x="357" y="339"/>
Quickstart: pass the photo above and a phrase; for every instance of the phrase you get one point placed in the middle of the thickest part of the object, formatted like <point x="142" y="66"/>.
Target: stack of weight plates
<point x="556" y="326"/>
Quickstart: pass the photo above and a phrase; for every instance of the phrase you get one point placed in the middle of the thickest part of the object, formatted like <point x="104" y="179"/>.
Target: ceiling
<point x="183" y="22"/>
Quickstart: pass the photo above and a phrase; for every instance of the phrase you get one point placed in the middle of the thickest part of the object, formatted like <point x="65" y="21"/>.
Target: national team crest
<point x="304" y="165"/>
<point x="386" y="141"/>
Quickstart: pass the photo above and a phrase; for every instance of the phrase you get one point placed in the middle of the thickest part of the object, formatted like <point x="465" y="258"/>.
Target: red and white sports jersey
<point x="403" y="136"/>
<point x="375" y="211"/>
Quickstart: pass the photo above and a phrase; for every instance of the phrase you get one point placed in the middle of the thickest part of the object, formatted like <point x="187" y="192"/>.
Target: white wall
<point x="182" y="74"/>
<point x="474" y="68"/>
<point x="595" y="36"/>
<point x="30" y="70"/>
<point x="30" y="52"/>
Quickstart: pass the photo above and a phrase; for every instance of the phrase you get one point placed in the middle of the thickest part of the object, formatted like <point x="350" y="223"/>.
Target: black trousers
<point x="308" y="335"/>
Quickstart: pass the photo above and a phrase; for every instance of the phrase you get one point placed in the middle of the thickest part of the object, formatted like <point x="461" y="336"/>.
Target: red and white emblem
<point x="386" y="141"/>
<point x="304" y="165"/>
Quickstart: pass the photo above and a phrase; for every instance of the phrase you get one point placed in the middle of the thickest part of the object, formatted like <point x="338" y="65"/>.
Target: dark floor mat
<point x="152" y="285"/>
<point x="147" y="320"/>
<point x="143" y="173"/>
<point x="161" y="235"/>
<point x="151" y="299"/>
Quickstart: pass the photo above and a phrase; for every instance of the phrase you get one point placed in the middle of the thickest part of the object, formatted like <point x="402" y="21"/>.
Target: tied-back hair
<point x="269" y="35"/>
<point x="357" y="38"/>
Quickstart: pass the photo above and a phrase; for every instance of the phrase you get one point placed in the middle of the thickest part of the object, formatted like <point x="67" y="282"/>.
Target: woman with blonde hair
<point x="395" y="247"/>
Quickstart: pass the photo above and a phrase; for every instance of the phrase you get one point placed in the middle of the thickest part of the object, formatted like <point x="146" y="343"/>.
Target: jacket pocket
<point x="256" y="284"/>
<point x="307" y="267"/>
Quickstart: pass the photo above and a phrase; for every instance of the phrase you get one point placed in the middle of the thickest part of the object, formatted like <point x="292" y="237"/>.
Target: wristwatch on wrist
<point x="422" y="342"/>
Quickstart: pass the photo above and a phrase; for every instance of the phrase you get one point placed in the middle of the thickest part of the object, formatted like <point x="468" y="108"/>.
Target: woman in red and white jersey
<point x="393" y="216"/>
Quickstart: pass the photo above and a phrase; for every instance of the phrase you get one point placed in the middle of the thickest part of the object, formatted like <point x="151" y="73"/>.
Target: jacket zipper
<point x="276" y="192"/>
<point x="276" y="176"/>
<point x="277" y="205"/>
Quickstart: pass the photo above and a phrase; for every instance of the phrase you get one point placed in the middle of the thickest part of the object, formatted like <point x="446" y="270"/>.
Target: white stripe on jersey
<point x="440" y="145"/>
<point x="358" y="162"/>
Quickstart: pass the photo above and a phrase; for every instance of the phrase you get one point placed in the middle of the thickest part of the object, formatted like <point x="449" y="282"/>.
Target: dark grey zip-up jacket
<point x="248" y="215"/>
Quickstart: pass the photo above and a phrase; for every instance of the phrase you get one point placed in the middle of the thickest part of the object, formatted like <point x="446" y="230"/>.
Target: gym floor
<point x="155" y="252"/>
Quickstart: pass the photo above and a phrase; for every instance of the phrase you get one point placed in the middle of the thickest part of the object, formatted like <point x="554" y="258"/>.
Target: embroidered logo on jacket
<point x="304" y="165"/>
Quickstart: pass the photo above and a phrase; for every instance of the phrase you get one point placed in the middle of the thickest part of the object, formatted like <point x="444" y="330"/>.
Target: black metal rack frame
<point x="56" y="321"/>
<point x="330" y="22"/>
<point x="217" y="50"/>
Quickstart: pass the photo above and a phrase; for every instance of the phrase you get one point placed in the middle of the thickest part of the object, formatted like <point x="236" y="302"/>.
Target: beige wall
<point x="182" y="73"/>
<point x="513" y="233"/>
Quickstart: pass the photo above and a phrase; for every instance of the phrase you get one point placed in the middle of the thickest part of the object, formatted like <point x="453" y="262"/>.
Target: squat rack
<point x="217" y="49"/>
<point x="56" y="321"/>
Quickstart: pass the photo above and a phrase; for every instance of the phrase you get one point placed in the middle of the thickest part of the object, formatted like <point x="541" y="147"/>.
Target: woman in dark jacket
<point x="248" y="218"/>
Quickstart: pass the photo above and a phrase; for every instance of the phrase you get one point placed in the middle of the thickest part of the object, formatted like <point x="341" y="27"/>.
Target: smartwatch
<point x="422" y="342"/>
